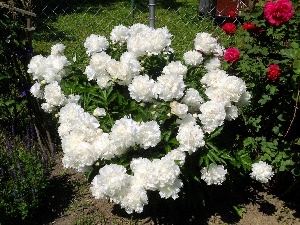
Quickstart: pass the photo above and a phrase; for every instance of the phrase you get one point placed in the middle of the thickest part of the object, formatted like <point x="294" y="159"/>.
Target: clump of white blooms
<point x="190" y="137"/>
<point x="214" y="174"/>
<point x="148" y="134"/>
<point x="142" y="88"/>
<point x="192" y="99"/>
<point x="119" y="34"/>
<point x="261" y="172"/>
<point x="206" y="43"/>
<point x="212" y="64"/>
<point x="178" y="109"/>
<point x="109" y="183"/>
<point x="193" y="58"/>
<point x="146" y="40"/>
<point x="175" y="68"/>
<point x="90" y="138"/>
<point x="170" y="87"/>
<point x="212" y="115"/>
<point x="95" y="43"/>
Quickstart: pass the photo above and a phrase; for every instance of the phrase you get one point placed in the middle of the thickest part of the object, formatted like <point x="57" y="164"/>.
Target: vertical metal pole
<point x="132" y="8"/>
<point x="152" y="13"/>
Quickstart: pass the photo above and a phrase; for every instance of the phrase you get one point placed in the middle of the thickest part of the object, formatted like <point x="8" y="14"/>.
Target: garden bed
<point x="71" y="202"/>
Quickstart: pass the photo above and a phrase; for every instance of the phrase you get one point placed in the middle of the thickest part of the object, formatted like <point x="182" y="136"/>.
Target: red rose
<point x="251" y="27"/>
<point x="248" y="26"/>
<point x="231" y="14"/>
<point x="273" y="72"/>
<point x="278" y="12"/>
<point x="231" y="54"/>
<point x="229" y="28"/>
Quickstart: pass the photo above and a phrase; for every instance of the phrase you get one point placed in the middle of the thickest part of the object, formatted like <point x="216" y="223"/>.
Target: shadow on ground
<point x="59" y="195"/>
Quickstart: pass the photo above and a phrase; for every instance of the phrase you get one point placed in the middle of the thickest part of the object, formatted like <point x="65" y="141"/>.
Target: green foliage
<point x="15" y="53"/>
<point x="269" y="126"/>
<point x="24" y="162"/>
<point x="24" y="175"/>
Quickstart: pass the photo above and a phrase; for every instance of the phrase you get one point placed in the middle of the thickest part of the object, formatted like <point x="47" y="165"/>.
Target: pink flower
<point x="229" y="28"/>
<point x="231" y="54"/>
<point x="273" y="72"/>
<point x="278" y="12"/>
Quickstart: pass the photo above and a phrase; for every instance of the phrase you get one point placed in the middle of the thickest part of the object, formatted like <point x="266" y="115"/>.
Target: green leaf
<point x="215" y="133"/>
<point x="294" y="45"/>
<point x="9" y="102"/>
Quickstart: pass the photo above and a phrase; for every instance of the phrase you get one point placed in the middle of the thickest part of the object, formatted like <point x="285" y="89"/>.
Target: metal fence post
<point x="152" y="13"/>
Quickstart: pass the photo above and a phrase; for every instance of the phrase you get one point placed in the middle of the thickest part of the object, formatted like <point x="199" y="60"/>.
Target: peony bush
<point x="268" y="61"/>
<point x="137" y="118"/>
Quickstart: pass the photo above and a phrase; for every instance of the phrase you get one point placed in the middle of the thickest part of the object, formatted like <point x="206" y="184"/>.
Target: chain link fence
<point x="134" y="11"/>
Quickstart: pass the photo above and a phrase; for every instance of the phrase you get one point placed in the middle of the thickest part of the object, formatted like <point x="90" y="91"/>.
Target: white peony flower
<point x="175" y="68"/>
<point x="170" y="87"/>
<point x="172" y="190"/>
<point x="205" y="42"/>
<point x="232" y="112"/>
<point x="244" y="99"/>
<point x="95" y="43"/>
<point x="53" y="94"/>
<point x="96" y="70"/>
<point x="148" y="134"/>
<point x="177" y="155"/>
<point x="104" y="147"/>
<point x="190" y="137"/>
<point x="192" y="99"/>
<point x="142" y="89"/>
<point x="137" y="28"/>
<point x="215" y="174"/>
<point x="166" y="180"/>
<point x="37" y="66"/>
<point x="124" y="134"/>
<point x="119" y="34"/>
<point x="212" y="64"/>
<point x="261" y="172"/>
<point x="133" y="197"/>
<point x="213" y="77"/>
<point x="58" y="49"/>
<point x="193" y="58"/>
<point x="73" y="118"/>
<point x="78" y="151"/>
<point x="219" y="50"/>
<point x="141" y="168"/>
<point x="120" y="72"/>
<point x="109" y="183"/>
<point x="218" y="94"/>
<point x="132" y="62"/>
<point x="212" y="115"/>
<point x="47" y="107"/>
<point x="72" y="99"/>
<point x="36" y="91"/>
<point x="234" y="87"/>
<point x="148" y="41"/>
<point x="178" y="109"/>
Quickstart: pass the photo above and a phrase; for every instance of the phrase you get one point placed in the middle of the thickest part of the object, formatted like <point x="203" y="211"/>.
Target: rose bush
<point x="269" y="63"/>
<point x="139" y="120"/>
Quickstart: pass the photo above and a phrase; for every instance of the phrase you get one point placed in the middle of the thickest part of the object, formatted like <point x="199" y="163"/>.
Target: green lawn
<point x="71" y="29"/>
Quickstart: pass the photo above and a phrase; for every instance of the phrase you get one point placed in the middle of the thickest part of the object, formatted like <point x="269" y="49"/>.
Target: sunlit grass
<point x="72" y="29"/>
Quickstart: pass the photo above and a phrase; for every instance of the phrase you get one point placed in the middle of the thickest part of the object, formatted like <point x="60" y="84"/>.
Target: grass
<point x="72" y="29"/>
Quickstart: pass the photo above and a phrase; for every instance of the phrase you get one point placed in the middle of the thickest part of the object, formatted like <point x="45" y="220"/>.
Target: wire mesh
<point x="96" y="16"/>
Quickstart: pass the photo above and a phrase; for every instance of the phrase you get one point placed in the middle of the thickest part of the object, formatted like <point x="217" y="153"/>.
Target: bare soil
<point x="69" y="202"/>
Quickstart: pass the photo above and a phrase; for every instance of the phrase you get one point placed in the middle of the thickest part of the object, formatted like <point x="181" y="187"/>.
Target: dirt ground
<point x="69" y="202"/>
